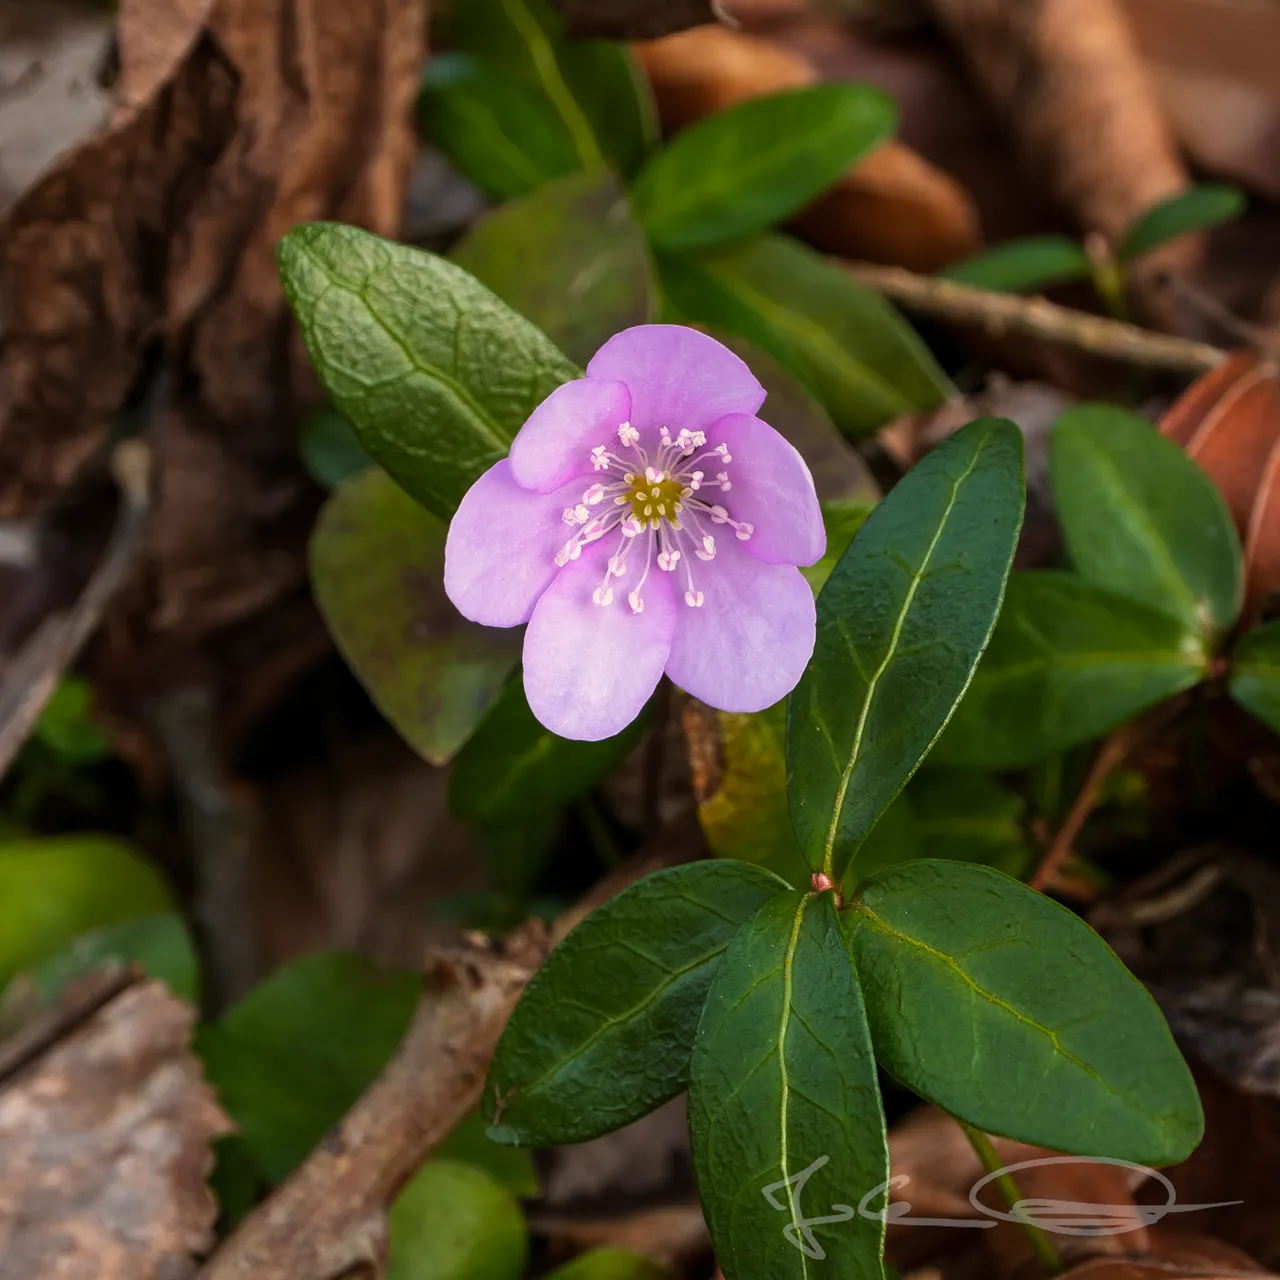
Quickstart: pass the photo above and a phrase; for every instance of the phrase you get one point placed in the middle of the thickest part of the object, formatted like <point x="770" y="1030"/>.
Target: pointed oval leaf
<point x="1023" y="266"/>
<point x="902" y="622"/>
<point x="377" y="569"/>
<point x="1141" y="519"/>
<point x="1255" y="673"/>
<point x="1007" y="1011"/>
<point x="601" y="1035"/>
<point x="610" y="1264"/>
<point x="433" y="371"/>
<point x="754" y="163"/>
<point x="843" y="341"/>
<point x="1206" y="205"/>
<point x="785" y="1117"/>
<point x="570" y="257"/>
<point x="330" y="449"/>
<point x="1068" y="663"/>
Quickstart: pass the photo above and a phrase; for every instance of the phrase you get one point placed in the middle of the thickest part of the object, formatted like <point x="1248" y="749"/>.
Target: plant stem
<point x="1008" y="1188"/>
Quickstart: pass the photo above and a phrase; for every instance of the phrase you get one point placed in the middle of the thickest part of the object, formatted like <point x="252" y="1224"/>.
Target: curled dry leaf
<point x="105" y="1148"/>
<point x="892" y="206"/>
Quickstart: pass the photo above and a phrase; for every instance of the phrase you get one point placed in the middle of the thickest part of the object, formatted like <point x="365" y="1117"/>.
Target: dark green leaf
<point x="570" y="257"/>
<point x="453" y="1221"/>
<point x="330" y="448"/>
<point x="377" y="568"/>
<point x="66" y="724"/>
<point x="435" y="374"/>
<point x="290" y="1059"/>
<point x="54" y="889"/>
<point x="966" y="816"/>
<point x="902" y="621"/>
<point x="593" y="87"/>
<point x="236" y="1180"/>
<point x="843" y="519"/>
<point x="601" y="1035"/>
<point x="742" y="169"/>
<point x="514" y="767"/>
<point x="503" y="136"/>
<point x="844" y="342"/>
<point x="1006" y="1010"/>
<point x="610" y="1264"/>
<point x="1023" y="266"/>
<point x="1068" y="663"/>
<point x="1141" y="519"/>
<point x="783" y="1087"/>
<point x="1255" y="673"/>
<point x="1203" y="206"/>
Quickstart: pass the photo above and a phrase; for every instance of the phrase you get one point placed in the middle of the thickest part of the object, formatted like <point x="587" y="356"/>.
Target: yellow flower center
<point x="652" y="502"/>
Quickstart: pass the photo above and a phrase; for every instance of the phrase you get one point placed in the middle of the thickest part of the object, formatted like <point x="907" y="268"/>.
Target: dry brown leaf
<point x="638" y="19"/>
<point x="105" y="1148"/>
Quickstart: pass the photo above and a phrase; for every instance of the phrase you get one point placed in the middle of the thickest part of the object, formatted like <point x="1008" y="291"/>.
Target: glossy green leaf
<point x="593" y="87"/>
<point x="1023" y="266"/>
<point x="514" y="766"/>
<point x="569" y="257"/>
<point x="902" y="622"/>
<point x="290" y="1059"/>
<point x="503" y="136"/>
<point x="1007" y="1011"/>
<point x="435" y="374"/>
<point x="785" y="1118"/>
<point x="610" y="1264"/>
<point x="1068" y="663"/>
<point x="1197" y="209"/>
<point x="53" y="890"/>
<point x="601" y="1035"/>
<point x="159" y="944"/>
<point x="453" y="1221"/>
<point x="753" y="164"/>
<point x="377" y="569"/>
<point x="1255" y="673"/>
<point x="1141" y="519"/>
<point x="844" y="342"/>
<point x="330" y="449"/>
<point x="966" y="816"/>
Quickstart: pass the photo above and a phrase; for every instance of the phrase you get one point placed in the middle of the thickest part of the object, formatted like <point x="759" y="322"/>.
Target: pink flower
<point x="645" y="521"/>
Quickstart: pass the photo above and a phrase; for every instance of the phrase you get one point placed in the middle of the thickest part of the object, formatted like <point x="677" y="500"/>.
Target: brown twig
<point x="1003" y="312"/>
<point x="328" y="1220"/>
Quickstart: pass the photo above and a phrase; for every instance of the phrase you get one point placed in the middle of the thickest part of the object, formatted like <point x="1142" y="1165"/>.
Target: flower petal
<point x="499" y="556"/>
<point x="772" y="490"/>
<point x="678" y="377"/>
<point x="588" y="669"/>
<point x="555" y="443"/>
<point x="747" y="645"/>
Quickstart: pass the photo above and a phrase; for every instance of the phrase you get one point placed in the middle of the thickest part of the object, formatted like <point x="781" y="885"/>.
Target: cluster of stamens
<point x="655" y="501"/>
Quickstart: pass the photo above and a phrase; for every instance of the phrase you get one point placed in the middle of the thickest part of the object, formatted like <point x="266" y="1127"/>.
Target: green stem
<point x="1008" y="1188"/>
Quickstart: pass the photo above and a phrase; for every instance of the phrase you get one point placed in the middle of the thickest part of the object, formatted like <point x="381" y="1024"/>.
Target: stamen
<point x="723" y="477"/>
<point x="628" y="435"/>
<point x="602" y="596"/>
<point x="667" y="560"/>
<point x="694" y="599"/>
<point x="744" y="531"/>
<point x="708" y="549"/>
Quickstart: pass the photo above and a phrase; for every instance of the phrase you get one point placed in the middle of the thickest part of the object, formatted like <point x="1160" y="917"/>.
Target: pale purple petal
<point x="588" y="669"/>
<point x="678" y="377"/>
<point x="772" y="490"/>
<point x="748" y="644"/>
<point x="499" y="556"/>
<point x="555" y="443"/>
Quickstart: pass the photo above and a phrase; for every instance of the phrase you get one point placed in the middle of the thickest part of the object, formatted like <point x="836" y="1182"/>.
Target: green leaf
<point x="66" y="724"/>
<point x="1197" y="209"/>
<point x="290" y="1059"/>
<point x="453" y="1221"/>
<point x="503" y="136"/>
<point x="54" y="889"/>
<point x="160" y="945"/>
<point x="514" y="766"/>
<point x="1255" y="673"/>
<point x="1007" y="1011"/>
<point x="377" y="569"/>
<point x="330" y="449"/>
<point x="570" y="257"/>
<point x="844" y="342"/>
<point x="435" y="374"/>
<point x="966" y="816"/>
<point x="842" y="519"/>
<point x="601" y="1035"/>
<point x="610" y="1264"/>
<point x="742" y="169"/>
<point x="1023" y="266"/>
<point x="1141" y="519"/>
<point x="902" y="622"/>
<point x="468" y="1143"/>
<point x="594" y="87"/>
<point x="784" y="1087"/>
<point x="1068" y="663"/>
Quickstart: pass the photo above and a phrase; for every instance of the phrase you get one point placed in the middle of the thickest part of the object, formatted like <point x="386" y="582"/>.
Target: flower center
<point x="655" y="505"/>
